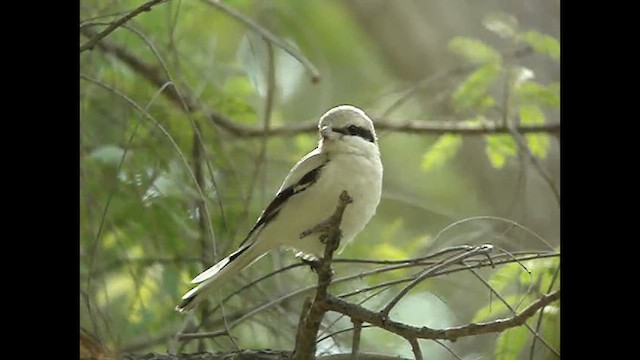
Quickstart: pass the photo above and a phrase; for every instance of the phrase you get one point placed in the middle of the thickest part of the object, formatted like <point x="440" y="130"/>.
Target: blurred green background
<point x="164" y="191"/>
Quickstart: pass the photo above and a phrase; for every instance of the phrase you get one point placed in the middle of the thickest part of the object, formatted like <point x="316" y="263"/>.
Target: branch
<point x="454" y="259"/>
<point x="243" y="354"/>
<point x="267" y="35"/>
<point x="116" y="24"/>
<point x="310" y="325"/>
<point x="153" y="74"/>
<point x="452" y="334"/>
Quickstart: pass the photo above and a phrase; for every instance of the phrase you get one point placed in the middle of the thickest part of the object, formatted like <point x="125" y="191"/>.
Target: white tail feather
<point x="224" y="269"/>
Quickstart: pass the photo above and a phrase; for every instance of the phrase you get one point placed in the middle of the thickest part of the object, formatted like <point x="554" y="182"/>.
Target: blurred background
<point x="192" y="114"/>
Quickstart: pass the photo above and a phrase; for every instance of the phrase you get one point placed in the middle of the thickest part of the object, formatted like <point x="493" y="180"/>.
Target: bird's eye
<point x="353" y="130"/>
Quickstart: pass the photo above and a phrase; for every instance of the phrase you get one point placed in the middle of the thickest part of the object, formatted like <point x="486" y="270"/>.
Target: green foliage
<point x="511" y="342"/>
<point x="141" y="238"/>
<point x="499" y="148"/>
<point x="473" y="50"/>
<point x="543" y="44"/>
<point x="476" y="92"/>
<point x="531" y="92"/>
<point x="442" y="150"/>
<point x="540" y="276"/>
<point x="472" y="94"/>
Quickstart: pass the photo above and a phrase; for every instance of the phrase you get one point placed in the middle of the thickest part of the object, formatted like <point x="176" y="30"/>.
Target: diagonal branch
<point x="116" y="24"/>
<point x="267" y="35"/>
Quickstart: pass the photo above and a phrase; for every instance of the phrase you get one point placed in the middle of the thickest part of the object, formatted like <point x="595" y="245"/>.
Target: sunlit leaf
<point x="499" y="148"/>
<point x="505" y="276"/>
<point x="388" y="251"/>
<point x="147" y="290"/>
<point x="531" y="115"/>
<point x="442" y="150"/>
<point x="538" y="144"/>
<point x="531" y="92"/>
<point x="504" y="25"/>
<point x="510" y="342"/>
<point x="543" y="44"/>
<point x="472" y="93"/>
<point x="473" y="50"/>
<point x="542" y="271"/>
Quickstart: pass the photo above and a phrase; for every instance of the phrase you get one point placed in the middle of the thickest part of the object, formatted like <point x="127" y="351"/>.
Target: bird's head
<point x="346" y="128"/>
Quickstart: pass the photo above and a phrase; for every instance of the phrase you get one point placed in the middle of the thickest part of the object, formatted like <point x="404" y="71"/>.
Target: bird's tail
<point x="224" y="269"/>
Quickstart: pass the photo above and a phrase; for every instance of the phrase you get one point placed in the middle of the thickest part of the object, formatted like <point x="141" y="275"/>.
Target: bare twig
<point x="117" y="23"/>
<point x="267" y="35"/>
<point x="452" y="333"/>
<point x="454" y="259"/>
<point x="248" y="314"/>
<point x="539" y="322"/>
<point x="497" y="294"/>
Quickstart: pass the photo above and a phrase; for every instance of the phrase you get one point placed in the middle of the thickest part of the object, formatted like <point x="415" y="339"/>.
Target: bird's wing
<point x="303" y="174"/>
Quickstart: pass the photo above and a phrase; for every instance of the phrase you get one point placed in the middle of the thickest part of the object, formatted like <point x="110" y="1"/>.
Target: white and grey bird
<point x="346" y="158"/>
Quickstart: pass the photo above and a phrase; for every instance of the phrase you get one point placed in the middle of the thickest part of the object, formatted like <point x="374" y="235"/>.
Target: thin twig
<point x="484" y="249"/>
<point x="246" y="315"/>
<point x="513" y="311"/>
<point x="117" y="23"/>
<point x="539" y="322"/>
<point x="267" y="35"/>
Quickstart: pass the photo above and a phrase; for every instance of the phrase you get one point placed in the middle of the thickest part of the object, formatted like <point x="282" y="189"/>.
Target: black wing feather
<point x="274" y="207"/>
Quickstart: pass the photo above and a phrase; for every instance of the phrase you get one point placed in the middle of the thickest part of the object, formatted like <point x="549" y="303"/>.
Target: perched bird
<point x="346" y="158"/>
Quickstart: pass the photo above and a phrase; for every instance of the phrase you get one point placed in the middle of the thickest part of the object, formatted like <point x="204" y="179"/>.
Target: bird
<point x="347" y="158"/>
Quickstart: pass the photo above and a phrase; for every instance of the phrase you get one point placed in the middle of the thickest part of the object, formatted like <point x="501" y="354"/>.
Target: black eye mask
<point x="354" y="130"/>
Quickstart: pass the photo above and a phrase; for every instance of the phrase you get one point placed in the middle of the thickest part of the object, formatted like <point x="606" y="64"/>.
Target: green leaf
<point x="442" y="150"/>
<point x="538" y="143"/>
<point x="505" y="276"/>
<point x="531" y="115"/>
<point x="473" y="50"/>
<point x="531" y="92"/>
<point x="499" y="148"/>
<point x="543" y="44"/>
<point x="510" y="343"/>
<point x="542" y="271"/>
<point x="504" y="25"/>
<point x="472" y="93"/>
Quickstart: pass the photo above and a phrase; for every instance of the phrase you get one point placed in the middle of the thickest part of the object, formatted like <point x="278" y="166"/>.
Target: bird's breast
<point x="361" y="177"/>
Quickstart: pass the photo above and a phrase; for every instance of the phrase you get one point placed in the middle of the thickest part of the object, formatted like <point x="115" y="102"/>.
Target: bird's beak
<point x="327" y="133"/>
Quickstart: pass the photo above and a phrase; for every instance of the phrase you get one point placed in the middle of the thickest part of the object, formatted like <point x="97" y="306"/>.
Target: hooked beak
<point x="328" y="133"/>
